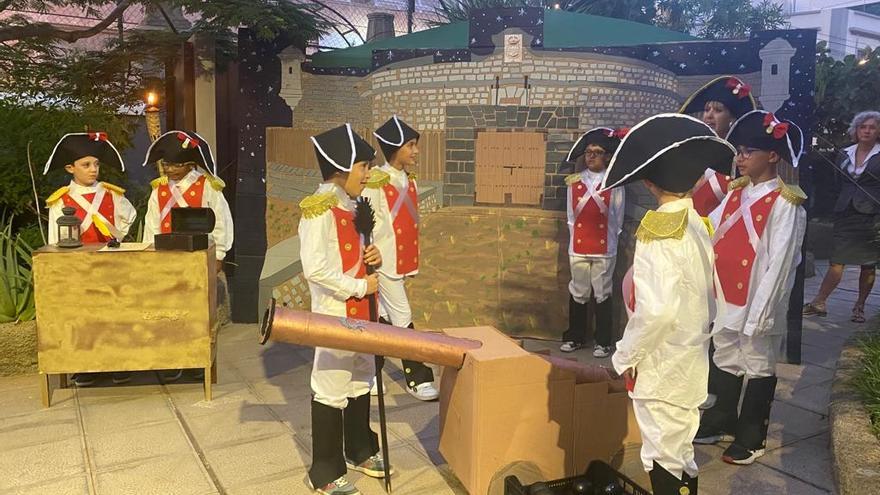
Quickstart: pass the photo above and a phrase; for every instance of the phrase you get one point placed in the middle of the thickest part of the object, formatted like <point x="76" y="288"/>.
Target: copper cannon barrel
<point x="587" y="373"/>
<point x="315" y="330"/>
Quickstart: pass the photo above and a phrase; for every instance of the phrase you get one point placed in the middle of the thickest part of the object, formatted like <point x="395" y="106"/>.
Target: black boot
<point x="360" y="441"/>
<point x="416" y="373"/>
<point x="328" y="463"/>
<point x="754" y="418"/>
<point x="604" y="320"/>
<point x="578" y="314"/>
<point x="665" y="483"/>
<point x="719" y="422"/>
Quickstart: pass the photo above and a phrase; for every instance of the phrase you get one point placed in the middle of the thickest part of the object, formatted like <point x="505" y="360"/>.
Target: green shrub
<point x="868" y="379"/>
<point x="16" y="280"/>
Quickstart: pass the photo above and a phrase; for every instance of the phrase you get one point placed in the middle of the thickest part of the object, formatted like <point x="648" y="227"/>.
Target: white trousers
<point x="667" y="435"/>
<point x="591" y="276"/>
<point x="340" y="375"/>
<point x="739" y="354"/>
<point x="393" y="302"/>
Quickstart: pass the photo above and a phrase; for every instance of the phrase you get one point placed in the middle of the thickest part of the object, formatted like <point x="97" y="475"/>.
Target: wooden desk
<point x="124" y="311"/>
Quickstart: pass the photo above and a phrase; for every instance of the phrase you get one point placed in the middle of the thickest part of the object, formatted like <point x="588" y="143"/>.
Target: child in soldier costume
<point x="394" y="195"/>
<point x="102" y="208"/>
<point x="760" y="228"/>
<point x="333" y="259"/>
<point x="594" y="223"/>
<point x="721" y="101"/>
<point x="663" y="353"/>
<point x="189" y="180"/>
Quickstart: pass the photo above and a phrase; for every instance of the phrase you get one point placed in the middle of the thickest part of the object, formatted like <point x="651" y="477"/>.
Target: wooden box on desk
<point x="124" y="311"/>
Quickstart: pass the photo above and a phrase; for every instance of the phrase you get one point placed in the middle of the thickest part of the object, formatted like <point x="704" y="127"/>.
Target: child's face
<point x="84" y="170"/>
<point x="356" y="179"/>
<point x="718" y="117"/>
<point x="755" y="163"/>
<point x="596" y="158"/>
<point x="408" y="154"/>
<point x="176" y="171"/>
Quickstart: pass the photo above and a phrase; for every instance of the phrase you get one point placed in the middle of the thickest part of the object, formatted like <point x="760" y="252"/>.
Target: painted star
<point x="655" y="53"/>
<point x="499" y="19"/>
<point x="522" y="11"/>
<point x="724" y="52"/>
<point x="540" y="21"/>
<point x="682" y="65"/>
<point x="473" y="41"/>
<point x="742" y="66"/>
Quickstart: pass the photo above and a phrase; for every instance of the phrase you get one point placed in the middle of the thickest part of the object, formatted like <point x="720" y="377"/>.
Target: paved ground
<point x="150" y="438"/>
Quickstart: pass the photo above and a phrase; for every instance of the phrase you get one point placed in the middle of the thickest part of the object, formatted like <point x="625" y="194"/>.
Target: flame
<point x="152" y="99"/>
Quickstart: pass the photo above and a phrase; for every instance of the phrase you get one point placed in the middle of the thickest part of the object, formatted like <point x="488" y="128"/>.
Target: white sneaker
<point x="570" y="346"/>
<point x="424" y="391"/>
<point x="601" y="351"/>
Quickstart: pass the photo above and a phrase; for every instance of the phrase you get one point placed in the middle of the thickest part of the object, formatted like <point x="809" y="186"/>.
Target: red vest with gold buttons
<point x="406" y="228"/>
<point x="590" y="230"/>
<point x="192" y="196"/>
<point x="351" y="252"/>
<point x="106" y="208"/>
<point x="705" y="199"/>
<point x="734" y="254"/>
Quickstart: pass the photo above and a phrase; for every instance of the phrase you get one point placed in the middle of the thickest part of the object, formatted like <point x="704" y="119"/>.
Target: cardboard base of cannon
<point x="506" y="405"/>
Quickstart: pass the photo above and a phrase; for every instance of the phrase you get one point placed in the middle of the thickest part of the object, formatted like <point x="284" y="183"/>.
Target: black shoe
<point x="121" y="377"/>
<point x="328" y="461"/>
<point x="84" y="379"/>
<point x="754" y="419"/>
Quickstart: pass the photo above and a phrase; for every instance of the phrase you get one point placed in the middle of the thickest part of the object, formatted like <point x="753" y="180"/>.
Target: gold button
<point x="416" y="226"/>
<point x="391" y="192"/>
<point x="400" y="248"/>
<point x="347" y="246"/>
<point x="580" y="186"/>
<point x="601" y="225"/>
<point x="759" y="218"/>
<point x="602" y="241"/>
<point x="579" y="241"/>
<point x="579" y="225"/>
<point x="415" y="260"/>
<point x="167" y="224"/>
<point x="415" y="242"/>
<point x="344" y="222"/>
<point x="727" y="216"/>
<point x="164" y="193"/>
<point x="399" y="262"/>
<point x="735" y="198"/>
<point x="739" y="286"/>
<point x="684" y="491"/>
<point x="353" y="311"/>
<point x="408" y="370"/>
<point x="399" y="231"/>
<point x="412" y="189"/>
<point x="412" y="384"/>
<point x="745" y="262"/>
<point x="768" y="199"/>
<point x="192" y="193"/>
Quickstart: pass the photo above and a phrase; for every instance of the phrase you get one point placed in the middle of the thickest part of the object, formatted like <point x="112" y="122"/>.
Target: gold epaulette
<point x="317" y="204"/>
<point x="112" y="187"/>
<point x="571" y="179"/>
<point x="57" y="195"/>
<point x="659" y="225"/>
<point x="793" y="194"/>
<point x="738" y="183"/>
<point x="216" y="182"/>
<point x="412" y="176"/>
<point x="709" y="226"/>
<point x="377" y="179"/>
<point x="160" y="181"/>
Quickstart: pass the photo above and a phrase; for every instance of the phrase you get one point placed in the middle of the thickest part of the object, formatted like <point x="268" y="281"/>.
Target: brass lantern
<point x="69" y="230"/>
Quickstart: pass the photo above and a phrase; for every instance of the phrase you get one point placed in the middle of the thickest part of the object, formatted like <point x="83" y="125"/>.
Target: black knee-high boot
<point x="416" y="373"/>
<point x="665" y="483"/>
<point x="604" y="320"/>
<point x="578" y="315"/>
<point x="328" y="463"/>
<point x="720" y="419"/>
<point x="361" y="442"/>
<point x="754" y="418"/>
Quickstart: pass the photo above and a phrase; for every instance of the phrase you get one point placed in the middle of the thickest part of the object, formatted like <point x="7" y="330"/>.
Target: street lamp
<point x="151" y="113"/>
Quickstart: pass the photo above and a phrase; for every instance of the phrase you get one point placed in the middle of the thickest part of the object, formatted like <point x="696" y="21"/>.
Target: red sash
<point x="351" y="252"/>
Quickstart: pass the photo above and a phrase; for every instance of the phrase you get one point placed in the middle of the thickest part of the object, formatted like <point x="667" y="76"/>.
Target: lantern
<point x="69" y="233"/>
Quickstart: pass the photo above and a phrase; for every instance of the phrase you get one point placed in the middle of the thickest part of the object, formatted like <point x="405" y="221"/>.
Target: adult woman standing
<point x="855" y="216"/>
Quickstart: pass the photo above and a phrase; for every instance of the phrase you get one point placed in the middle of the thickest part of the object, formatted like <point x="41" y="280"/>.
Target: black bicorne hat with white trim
<point x="393" y="134"/>
<point x="605" y="137"/>
<point x="339" y="149"/>
<point x="762" y="130"/>
<point x="731" y="91"/>
<point x="671" y="150"/>
<point x="182" y="147"/>
<point x="71" y="147"/>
